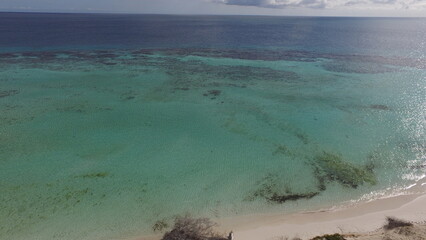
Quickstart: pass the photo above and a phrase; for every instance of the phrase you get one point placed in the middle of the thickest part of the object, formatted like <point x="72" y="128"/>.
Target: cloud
<point x="330" y="4"/>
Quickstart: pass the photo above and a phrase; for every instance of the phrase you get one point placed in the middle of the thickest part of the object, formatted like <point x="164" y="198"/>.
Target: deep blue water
<point x="38" y="31"/>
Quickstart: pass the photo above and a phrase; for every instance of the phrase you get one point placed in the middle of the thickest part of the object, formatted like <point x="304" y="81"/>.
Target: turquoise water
<point x="91" y="150"/>
<point x="103" y="144"/>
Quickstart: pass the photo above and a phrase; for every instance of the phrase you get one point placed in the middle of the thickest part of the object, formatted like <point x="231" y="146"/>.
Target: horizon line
<point x="191" y="14"/>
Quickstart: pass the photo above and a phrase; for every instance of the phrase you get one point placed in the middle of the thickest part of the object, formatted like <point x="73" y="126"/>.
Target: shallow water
<point x="102" y="144"/>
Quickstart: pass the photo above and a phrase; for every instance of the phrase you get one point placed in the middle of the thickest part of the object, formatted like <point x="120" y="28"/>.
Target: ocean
<point x="112" y="123"/>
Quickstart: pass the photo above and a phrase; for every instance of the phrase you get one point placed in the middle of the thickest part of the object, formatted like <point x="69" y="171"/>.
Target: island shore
<point x="359" y="221"/>
<point x="363" y="219"/>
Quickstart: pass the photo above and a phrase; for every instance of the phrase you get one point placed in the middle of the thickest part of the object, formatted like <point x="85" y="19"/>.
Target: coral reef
<point x="327" y="167"/>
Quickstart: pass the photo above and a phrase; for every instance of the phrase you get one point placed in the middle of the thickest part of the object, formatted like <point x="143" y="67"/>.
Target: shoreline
<point x="359" y="218"/>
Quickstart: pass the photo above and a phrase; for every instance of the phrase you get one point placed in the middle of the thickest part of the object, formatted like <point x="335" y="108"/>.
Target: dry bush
<point x="330" y="237"/>
<point x="188" y="228"/>
<point x="393" y="223"/>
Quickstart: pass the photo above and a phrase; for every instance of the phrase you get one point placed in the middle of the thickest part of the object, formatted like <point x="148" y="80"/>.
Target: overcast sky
<point x="258" y="7"/>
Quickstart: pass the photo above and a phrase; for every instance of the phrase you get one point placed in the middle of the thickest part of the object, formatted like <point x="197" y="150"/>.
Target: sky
<point x="402" y="8"/>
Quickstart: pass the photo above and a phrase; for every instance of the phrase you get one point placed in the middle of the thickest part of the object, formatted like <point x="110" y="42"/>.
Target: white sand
<point x="361" y="218"/>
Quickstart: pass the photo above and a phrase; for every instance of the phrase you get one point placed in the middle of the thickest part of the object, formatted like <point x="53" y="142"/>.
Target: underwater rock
<point x="291" y="197"/>
<point x="273" y="191"/>
<point x="333" y="168"/>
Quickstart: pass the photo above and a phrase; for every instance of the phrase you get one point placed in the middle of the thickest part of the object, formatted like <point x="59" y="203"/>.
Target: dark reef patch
<point x="272" y="190"/>
<point x="276" y="198"/>
<point x="285" y="55"/>
<point x="129" y="95"/>
<point x="379" y="107"/>
<point x="332" y="167"/>
<point x="284" y="150"/>
<point x="212" y="94"/>
<point x="349" y="63"/>
<point x="8" y="55"/>
<point x="78" y="108"/>
<point x="8" y="93"/>
<point x="302" y="137"/>
<point x="357" y="67"/>
<point x="95" y="175"/>
<point x="160" y="226"/>
<point x="27" y="204"/>
<point x="327" y="167"/>
<point x="109" y="63"/>
<point x="181" y="88"/>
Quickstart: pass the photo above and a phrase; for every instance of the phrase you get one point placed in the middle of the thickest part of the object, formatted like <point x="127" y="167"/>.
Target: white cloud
<point x="330" y="4"/>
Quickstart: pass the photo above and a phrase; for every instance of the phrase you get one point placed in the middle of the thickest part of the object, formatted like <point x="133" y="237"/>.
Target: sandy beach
<point x="364" y="219"/>
<point x="360" y="221"/>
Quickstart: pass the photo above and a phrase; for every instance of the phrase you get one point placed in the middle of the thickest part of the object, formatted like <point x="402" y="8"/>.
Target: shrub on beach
<point x="188" y="228"/>
<point x="393" y="223"/>
<point x="329" y="237"/>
